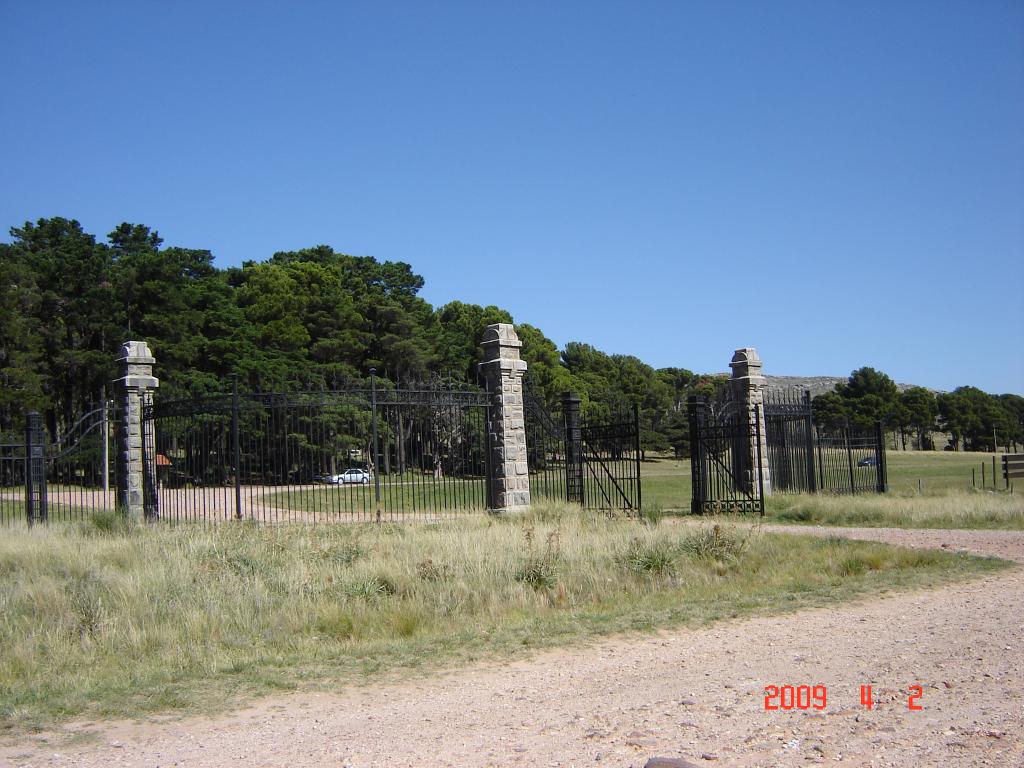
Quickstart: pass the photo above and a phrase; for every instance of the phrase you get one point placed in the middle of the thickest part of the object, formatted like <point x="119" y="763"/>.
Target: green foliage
<point x="918" y="411"/>
<point x="714" y="543"/>
<point x="316" y="317"/>
<point x="647" y="557"/>
<point x="540" y="569"/>
<point x="976" y="420"/>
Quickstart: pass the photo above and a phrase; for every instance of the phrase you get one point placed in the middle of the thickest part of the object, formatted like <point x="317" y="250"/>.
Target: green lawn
<point x="108" y="619"/>
<point x="947" y="499"/>
<point x="400" y="496"/>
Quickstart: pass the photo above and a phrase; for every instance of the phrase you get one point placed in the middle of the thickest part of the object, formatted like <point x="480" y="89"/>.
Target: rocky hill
<point x="818" y="384"/>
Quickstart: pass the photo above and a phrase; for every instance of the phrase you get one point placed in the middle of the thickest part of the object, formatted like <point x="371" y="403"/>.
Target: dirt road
<point x="695" y="694"/>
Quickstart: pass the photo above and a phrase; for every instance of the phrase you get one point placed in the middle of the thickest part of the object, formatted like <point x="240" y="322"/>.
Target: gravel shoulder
<point x="696" y="694"/>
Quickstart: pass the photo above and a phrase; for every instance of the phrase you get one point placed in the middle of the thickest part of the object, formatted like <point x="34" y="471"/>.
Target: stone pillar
<point x="509" y="480"/>
<point x="748" y="391"/>
<point x="136" y="453"/>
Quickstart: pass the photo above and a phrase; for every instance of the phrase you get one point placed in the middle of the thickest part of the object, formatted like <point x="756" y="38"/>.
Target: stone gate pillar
<point x="508" y="481"/>
<point x="748" y="391"/>
<point x="136" y="455"/>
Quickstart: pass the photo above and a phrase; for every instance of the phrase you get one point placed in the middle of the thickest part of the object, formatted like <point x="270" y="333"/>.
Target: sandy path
<point x="696" y="694"/>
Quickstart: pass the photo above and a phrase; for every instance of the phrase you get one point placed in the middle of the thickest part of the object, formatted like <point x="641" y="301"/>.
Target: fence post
<point x="105" y="436"/>
<point x="236" y="447"/>
<point x="376" y="440"/>
<point x="503" y="370"/>
<point x="880" y="478"/>
<point x="573" y="448"/>
<point x="812" y="481"/>
<point x="849" y="456"/>
<point x="136" y="454"/>
<point x="636" y="448"/>
<point x="696" y="472"/>
<point x="748" y="389"/>
<point x="35" y="469"/>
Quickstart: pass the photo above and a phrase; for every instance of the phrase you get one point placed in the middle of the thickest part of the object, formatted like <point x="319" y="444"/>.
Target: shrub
<point x="714" y="543"/>
<point x="647" y="558"/>
<point x="372" y="587"/>
<point x="540" y="569"/>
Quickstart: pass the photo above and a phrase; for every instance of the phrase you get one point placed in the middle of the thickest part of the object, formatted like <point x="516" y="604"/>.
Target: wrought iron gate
<point x="331" y="455"/>
<point x="582" y="461"/>
<point x="801" y="456"/>
<point x="725" y="478"/>
<point x="67" y="477"/>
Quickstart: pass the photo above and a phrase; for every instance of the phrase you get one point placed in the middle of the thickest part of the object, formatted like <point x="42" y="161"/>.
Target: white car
<point x="352" y="476"/>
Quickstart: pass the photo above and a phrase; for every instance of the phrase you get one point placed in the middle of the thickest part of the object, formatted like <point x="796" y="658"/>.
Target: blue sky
<point x="632" y="175"/>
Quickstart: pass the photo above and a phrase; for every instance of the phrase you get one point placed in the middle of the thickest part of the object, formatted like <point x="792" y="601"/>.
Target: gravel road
<point x="694" y="694"/>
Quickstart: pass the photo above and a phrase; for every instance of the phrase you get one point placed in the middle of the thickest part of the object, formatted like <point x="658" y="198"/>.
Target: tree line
<point x="317" y="318"/>
<point x="972" y="419"/>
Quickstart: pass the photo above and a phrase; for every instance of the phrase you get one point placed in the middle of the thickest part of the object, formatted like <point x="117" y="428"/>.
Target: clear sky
<point x="837" y="184"/>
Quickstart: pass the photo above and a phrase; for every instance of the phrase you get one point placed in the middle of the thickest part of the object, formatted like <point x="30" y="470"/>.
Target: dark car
<point x="868" y="461"/>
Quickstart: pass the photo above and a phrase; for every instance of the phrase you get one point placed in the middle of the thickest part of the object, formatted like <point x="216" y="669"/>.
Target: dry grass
<point x="952" y="509"/>
<point x="945" y="500"/>
<point x="109" y="619"/>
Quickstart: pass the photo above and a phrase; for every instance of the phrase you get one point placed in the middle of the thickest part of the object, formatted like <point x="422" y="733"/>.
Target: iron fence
<point x="595" y="463"/>
<point x="725" y="477"/>
<point x="63" y="477"/>
<point x="347" y="454"/>
<point x="804" y="456"/>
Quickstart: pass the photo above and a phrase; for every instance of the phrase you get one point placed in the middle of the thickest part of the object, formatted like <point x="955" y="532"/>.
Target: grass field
<point x="400" y="495"/>
<point x="946" y="500"/>
<point x="105" y="619"/>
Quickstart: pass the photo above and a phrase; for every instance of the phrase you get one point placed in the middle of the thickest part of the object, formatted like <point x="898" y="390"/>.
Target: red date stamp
<point x="799" y="697"/>
<point x="788" y="697"/>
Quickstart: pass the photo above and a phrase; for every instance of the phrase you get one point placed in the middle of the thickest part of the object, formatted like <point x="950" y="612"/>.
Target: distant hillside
<point x="817" y="384"/>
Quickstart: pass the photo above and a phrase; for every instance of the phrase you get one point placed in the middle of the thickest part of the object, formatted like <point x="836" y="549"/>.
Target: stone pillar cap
<point x="502" y="334"/>
<point x="136" y="352"/>
<point x="745" y="362"/>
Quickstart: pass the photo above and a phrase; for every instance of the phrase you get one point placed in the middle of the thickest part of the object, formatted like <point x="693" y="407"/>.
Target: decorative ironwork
<point x="592" y="463"/>
<point x="64" y="477"/>
<point x="720" y="443"/>
<point x="348" y="454"/>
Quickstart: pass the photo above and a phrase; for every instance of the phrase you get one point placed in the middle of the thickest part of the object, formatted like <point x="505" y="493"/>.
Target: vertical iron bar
<point x="30" y="496"/>
<point x="695" y="476"/>
<point x="636" y="435"/>
<point x="573" y="448"/>
<point x="236" y="447"/>
<point x="105" y="436"/>
<point x="822" y="480"/>
<point x="760" y="469"/>
<point x="879" y="458"/>
<point x="376" y="446"/>
<point x="849" y="456"/>
<point x="812" y="481"/>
